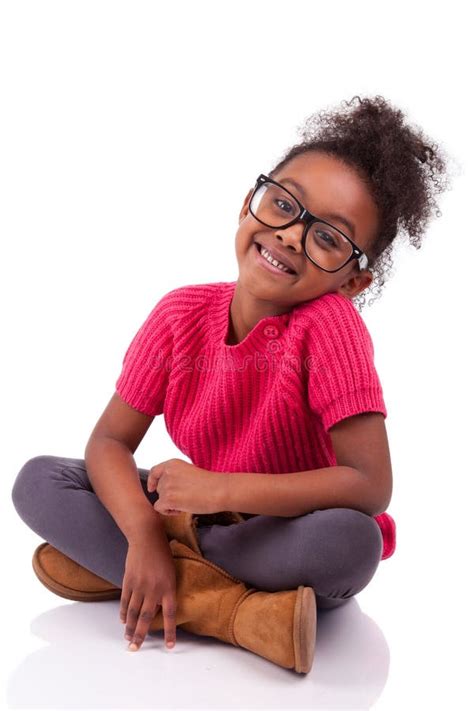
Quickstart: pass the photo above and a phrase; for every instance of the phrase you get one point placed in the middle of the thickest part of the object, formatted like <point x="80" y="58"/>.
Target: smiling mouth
<point x="283" y="268"/>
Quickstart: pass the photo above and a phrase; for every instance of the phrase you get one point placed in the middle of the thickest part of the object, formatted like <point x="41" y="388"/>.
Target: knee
<point x="353" y="543"/>
<point x="359" y="537"/>
<point x="28" y="478"/>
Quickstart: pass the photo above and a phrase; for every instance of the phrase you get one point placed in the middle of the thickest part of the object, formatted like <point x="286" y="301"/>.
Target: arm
<point x="297" y="493"/>
<point x="139" y="396"/>
<point x="362" y="479"/>
<point x="113" y="472"/>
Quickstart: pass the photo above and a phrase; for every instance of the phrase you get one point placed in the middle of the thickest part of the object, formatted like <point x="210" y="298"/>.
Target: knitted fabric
<point x="265" y="404"/>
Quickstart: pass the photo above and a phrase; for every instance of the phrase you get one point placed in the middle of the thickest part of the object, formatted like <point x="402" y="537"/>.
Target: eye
<point x="331" y="241"/>
<point x="280" y="202"/>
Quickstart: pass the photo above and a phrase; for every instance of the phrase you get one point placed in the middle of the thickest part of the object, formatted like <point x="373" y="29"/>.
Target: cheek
<point x="314" y="282"/>
<point x="243" y="243"/>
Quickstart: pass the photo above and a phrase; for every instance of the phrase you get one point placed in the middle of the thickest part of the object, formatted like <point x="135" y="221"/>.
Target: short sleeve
<point x="143" y="380"/>
<point x="342" y="378"/>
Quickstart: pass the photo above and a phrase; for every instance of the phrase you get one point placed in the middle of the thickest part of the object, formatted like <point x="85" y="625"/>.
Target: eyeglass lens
<point x="276" y="208"/>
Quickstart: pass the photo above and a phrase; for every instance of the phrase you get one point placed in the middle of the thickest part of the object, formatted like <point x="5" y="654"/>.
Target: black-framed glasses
<point x="324" y="244"/>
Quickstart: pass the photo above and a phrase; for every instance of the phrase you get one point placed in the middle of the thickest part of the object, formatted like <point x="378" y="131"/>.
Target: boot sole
<point x="69" y="593"/>
<point x="304" y="629"/>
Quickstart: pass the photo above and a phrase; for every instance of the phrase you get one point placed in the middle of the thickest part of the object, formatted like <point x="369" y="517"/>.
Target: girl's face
<point x="329" y="186"/>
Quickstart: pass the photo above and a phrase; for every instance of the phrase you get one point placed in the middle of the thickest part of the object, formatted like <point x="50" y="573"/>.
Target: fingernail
<point x="128" y="636"/>
<point x="133" y="647"/>
<point x="170" y="644"/>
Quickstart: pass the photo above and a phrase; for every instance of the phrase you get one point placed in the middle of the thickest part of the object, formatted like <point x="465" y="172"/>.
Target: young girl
<point x="267" y="384"/>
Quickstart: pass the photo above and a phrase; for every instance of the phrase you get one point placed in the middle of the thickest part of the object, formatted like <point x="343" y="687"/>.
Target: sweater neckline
<point x="267" y="328"/>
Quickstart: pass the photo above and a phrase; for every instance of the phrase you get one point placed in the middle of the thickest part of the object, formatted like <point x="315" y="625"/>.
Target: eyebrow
<point x="330" y="215"/>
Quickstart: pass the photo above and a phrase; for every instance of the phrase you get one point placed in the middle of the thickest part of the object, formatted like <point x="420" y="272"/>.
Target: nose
<point x="292" y="236"/>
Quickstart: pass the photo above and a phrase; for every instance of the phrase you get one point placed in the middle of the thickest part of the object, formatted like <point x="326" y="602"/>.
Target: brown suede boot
<point x="279" y="626"/>
<point x="68" y="579"/>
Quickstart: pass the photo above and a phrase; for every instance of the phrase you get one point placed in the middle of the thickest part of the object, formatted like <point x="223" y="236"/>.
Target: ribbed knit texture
<point x="262" y="405"/>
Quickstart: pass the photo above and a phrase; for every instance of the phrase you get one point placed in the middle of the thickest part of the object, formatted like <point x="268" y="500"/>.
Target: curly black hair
<point x="402" y="168"/>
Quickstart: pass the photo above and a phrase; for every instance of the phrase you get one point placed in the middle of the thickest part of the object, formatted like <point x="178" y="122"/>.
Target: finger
<point x="124" y="601"/>
<point x="133" y="612"/>
<point x="169" y="618"/>
<point x="153" y="477"/>
<point x="147" y="613"/>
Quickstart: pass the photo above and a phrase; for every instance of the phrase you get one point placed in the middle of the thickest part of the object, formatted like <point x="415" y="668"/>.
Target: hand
<point x="184" y="487"/>
<point x="149" y="581"/>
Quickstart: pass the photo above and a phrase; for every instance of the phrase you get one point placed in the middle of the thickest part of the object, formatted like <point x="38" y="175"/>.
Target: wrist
<point x="222" y="501"/>
<point x="149" y="524"/>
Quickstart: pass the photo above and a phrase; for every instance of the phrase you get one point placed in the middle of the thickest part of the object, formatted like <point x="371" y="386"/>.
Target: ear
<point x="245" y="207"/>
<point x="356" y="283"/>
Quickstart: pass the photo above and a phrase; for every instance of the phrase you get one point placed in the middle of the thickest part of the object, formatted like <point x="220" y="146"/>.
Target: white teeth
<point x="270" y="259"/>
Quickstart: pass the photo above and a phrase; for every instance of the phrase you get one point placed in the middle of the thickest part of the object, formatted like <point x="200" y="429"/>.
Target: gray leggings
<point x="334" y="551"/>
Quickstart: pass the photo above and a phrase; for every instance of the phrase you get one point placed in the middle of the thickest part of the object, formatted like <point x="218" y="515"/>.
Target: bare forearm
<point x="297" y="493"/>
<point x="114" y="477"/>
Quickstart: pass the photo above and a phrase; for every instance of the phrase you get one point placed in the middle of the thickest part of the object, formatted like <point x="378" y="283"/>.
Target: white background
<point x="114" y="113"/>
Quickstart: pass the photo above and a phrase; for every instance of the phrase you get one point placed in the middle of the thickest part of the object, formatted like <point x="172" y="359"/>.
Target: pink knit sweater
<point x="262" y="405"/>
